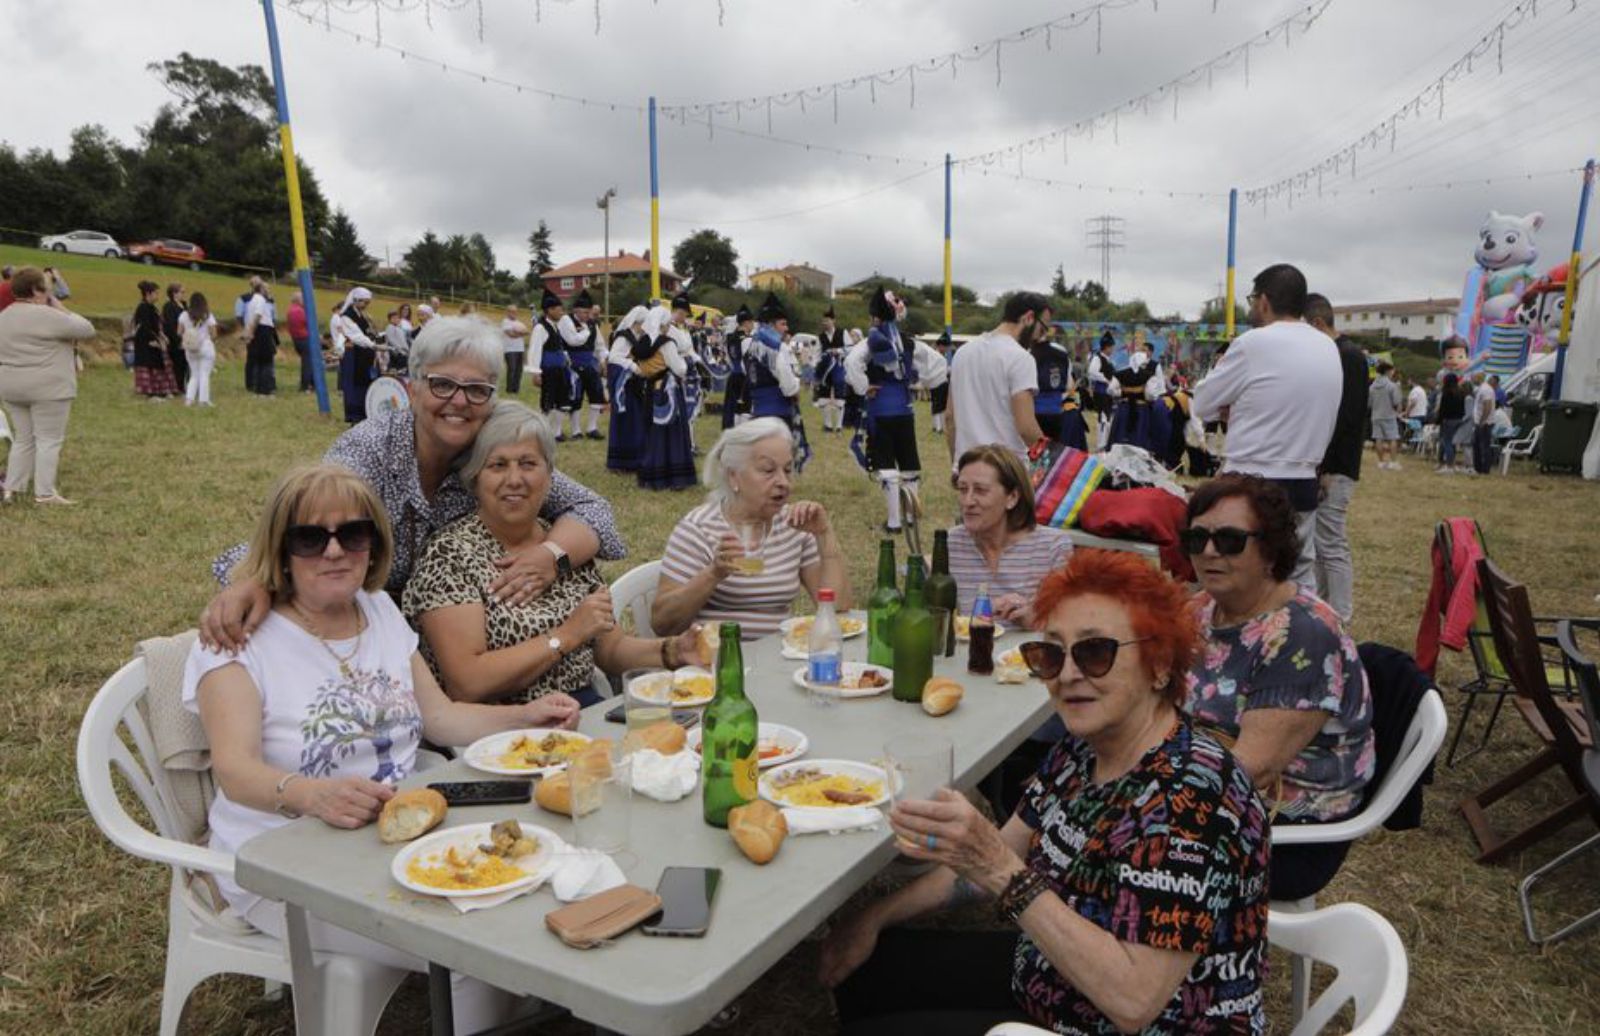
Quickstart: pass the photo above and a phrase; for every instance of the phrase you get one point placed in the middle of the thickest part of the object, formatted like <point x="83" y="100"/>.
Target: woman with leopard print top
<point x="483" y="649"/>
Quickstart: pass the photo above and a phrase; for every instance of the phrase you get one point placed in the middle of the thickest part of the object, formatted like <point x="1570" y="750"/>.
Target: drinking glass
<point x="643" y="712"/>
<point x="752" y="540"/>
<point x="602" y="801"/>
<point x="918" y="766"/>
<point x="943" y="632"/>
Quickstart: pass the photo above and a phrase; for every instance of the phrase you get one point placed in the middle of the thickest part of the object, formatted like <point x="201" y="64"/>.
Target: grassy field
<point x="164" y="488"/>
<point x="103" y="288"/>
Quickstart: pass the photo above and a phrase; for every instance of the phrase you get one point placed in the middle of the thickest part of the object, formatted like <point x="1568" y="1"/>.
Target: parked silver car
<point x="84" y="242"/>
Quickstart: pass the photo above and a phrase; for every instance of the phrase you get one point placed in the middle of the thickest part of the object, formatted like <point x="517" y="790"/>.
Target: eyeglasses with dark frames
<point x="476" y="392"/>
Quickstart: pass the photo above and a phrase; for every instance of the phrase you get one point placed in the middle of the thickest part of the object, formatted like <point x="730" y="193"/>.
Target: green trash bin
<point x="1526" y="415"/>
<point x="1567" y="426"/>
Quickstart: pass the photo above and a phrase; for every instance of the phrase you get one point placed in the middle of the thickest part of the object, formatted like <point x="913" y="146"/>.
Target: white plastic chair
<point x="1422" y="741"/>
<point x="1352" y="939"/>
<point x="1526" y="446"/>
<point x="1426" y="444"/>
<point x="201" y="940"/>
<point x="636" y="592"/>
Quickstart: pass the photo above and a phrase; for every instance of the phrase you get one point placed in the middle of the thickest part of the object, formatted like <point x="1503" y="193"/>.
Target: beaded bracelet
<point x="1019" y="893"/>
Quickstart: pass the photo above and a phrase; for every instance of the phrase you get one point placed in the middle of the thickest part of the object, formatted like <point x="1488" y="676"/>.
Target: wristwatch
<point x="563" y="563"/>
<point x="554" y="644"/>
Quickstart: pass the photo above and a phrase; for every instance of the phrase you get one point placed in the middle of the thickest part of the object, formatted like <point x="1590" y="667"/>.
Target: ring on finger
<point x="933" y="843"/>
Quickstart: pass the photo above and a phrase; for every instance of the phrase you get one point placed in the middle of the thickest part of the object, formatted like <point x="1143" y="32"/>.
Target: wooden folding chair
<point x="1560" y="725"/>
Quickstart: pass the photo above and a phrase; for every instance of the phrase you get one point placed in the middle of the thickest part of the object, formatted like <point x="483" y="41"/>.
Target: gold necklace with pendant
<point x="343" y="660"/>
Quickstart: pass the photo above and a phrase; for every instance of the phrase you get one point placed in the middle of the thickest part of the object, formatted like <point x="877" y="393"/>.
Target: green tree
<point x="463" y="265"/>
<point x="481" y="249"/>
<point x="960" y="294"/>
<point x="1215" y="311"/>
<point x="340" y="251"/>
<point x="707" y="258"/>
<point x="1058" y="284"/>
<point x="424" y="262"/>
<point x="1093" y="295"/>
<point x="541" y="248"/>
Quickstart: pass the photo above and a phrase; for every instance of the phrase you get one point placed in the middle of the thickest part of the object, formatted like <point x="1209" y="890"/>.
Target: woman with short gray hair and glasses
<point x="411" y="457"/>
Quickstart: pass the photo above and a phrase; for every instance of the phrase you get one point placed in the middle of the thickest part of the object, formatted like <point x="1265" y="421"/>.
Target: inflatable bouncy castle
<point x="1490" y="319"/>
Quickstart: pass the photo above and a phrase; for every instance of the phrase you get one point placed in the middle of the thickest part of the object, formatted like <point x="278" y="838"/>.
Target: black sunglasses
<point x="1229" y="541"/>
<point x="477" y="392"/>
<point x="1094" y="656"/>
<point x="311" y="541"/>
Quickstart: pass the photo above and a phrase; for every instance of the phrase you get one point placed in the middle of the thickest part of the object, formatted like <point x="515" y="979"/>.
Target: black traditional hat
<point x="583" y="299"/>
<point x="744" y="315"/>
<point x="880" y="306"/>
<point x="550" y="300"/>
<point x="772" y="309"/>
<point x="829" y="312"/>
<point x="681" y="301"/>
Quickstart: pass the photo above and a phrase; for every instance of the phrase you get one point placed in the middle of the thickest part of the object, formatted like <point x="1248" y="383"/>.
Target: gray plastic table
<point x="639" y="985"/>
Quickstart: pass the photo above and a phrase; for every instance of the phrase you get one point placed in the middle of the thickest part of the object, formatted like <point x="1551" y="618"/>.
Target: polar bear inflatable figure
<point x="1506" y="253"/>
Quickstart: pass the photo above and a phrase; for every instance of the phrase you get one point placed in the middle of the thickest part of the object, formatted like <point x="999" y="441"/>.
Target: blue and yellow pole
<point x="655" y="210"/>
<point x="1233" y="229"/>
<point x="1573" y="270"/>
<point x="949" y="319"/>
<point x="297" y="216"/>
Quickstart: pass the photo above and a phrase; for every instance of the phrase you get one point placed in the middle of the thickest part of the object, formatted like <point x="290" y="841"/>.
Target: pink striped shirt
<point x="759" y="603"/>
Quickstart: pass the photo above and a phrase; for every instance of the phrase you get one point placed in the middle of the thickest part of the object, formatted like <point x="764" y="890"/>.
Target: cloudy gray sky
<point x="403" y="147"/>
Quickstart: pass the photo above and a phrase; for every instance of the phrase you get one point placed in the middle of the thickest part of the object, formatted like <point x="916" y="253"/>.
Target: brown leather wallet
<point x="606" y="915"/>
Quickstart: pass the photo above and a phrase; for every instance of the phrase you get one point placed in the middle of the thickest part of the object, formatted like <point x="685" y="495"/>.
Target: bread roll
<point x="940" y="695"/>
<point x="758" y="829"/>
<point x="710" y="640"/>
<point x="554" y="793"/>
<point x="409" y="814"/>
<point x="665" y="737"/>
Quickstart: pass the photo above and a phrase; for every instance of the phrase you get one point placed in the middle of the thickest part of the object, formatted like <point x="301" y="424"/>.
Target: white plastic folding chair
<point x="635" y="592"/>
<point x="1422" y="741"/>
<point x="1362" y="947"/>
<point x="1524" y="447"/>
<point x="203" y="939"/>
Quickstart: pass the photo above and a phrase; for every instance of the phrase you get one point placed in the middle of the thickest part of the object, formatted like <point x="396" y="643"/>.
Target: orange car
<point x="168" y="250"/>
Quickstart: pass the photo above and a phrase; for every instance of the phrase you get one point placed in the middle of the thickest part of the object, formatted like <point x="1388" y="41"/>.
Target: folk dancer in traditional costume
<point x="939" y="396"/>
<point x="1054" y="405"/>
<point x="668" y="459"/>
<point x="883" y="370"/>
<point x="580" y="334"/>
<point x="774" y="381"/>
<point x="547" y="358"/>
<point x="1102" y="369"/>
<point x="852" y="398"/>
<point x="630" y="407"/>
<point x="829" y="390"/>
<point x="1137" y="386"/>
<point x="358" y="352"/>
<point x="736" y="390"/>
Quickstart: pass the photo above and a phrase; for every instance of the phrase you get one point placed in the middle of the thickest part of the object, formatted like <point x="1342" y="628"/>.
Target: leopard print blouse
<point x="457" y="567"/>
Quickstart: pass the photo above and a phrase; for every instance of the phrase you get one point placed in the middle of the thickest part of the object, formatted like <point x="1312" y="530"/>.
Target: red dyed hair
<point x="1158" y="608"/>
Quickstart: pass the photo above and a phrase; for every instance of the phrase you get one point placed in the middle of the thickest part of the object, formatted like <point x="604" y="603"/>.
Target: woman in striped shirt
<point x="998" y="543"/>
<point x="708" y="574"/>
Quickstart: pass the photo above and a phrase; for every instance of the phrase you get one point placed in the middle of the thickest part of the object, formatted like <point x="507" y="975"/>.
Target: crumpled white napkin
<point x="571" y="872"/>
<point x="812" y="820"/>
<point x="665" y="778"/>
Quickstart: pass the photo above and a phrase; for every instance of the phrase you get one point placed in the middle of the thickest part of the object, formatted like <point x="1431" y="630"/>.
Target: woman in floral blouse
<point x="1135" y="867"/>
<point x="485" y="649"/>
<point x="1277" y="676"/>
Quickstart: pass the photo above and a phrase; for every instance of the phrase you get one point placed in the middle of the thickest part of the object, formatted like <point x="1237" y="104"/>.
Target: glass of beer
<point x="752" y="540"/>
<point x="918" y="766"/>
<point x="646" y="701"/>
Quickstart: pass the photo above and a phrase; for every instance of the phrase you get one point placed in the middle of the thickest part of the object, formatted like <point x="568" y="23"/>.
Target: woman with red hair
<point x="1135" y="866"/>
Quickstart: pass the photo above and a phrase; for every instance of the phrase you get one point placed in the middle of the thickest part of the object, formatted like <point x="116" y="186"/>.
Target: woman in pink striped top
<point x="999" y="543"/>
<point x="707" y="574"/>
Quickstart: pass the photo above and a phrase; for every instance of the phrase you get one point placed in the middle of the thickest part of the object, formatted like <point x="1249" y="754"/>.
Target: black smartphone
<point x="484" y="793"/>
<point x="686" y="894"/>
<point x="685" y="718"/>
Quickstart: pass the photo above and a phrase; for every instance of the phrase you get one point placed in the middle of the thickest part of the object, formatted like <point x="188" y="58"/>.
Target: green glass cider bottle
<point x="941" y="589"/>
<point x="882" y="607"/>
<point x="913" y="638"/>
<point x="729" y="753"/>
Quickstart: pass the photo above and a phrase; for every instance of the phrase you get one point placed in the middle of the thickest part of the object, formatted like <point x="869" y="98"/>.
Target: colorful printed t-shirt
<point x="1172" y="854"/>
<point x="1296" y="657"/>
<point x="316" y="720"/>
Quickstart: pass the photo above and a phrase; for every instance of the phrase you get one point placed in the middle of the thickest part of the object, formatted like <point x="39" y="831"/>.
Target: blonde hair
<point x="294" y="500"/>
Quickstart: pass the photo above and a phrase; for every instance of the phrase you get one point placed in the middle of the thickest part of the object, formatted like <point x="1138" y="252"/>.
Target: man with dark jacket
<point x="1341" y="466"/>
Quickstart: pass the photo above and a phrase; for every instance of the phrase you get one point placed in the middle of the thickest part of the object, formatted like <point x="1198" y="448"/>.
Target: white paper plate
<point x="470" y="836"/>
<point x="852" y="670"/>
<point x="797" y="743"/>
<point x="484" y="754"/>
<point x="791" y="650"/>
<point x="963" y="621"/>
<point x="845" y="767"/>
<point x="652" y="693"/>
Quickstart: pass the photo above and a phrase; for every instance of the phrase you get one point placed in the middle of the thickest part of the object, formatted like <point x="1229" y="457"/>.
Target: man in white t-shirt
<point x="1481" y="413"/>
<point x="515" y="332"/>
<point x="993" y="380"/>
<point x="1278" y="386"/>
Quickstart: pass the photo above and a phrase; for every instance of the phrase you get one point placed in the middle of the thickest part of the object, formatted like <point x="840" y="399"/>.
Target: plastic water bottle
<point x="825" y="651"/>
